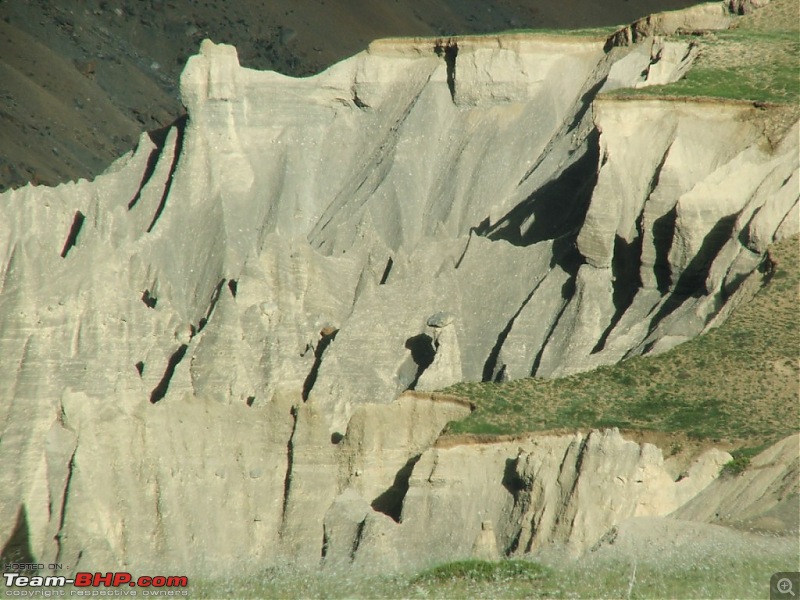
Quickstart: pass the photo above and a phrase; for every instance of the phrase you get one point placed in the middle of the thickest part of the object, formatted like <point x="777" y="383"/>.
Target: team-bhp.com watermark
<point x="85" y="584"/>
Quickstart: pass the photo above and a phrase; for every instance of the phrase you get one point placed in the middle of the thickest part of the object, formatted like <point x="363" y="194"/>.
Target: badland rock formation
<point x="222" y="349"/>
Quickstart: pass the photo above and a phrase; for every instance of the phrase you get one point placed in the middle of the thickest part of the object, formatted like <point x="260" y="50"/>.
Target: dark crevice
<point x="482" y="229"/>
<point x="645" y="350"/>
<point x="287" y="479"/>
<point x="74" y="230"/>
<point x="180" y="126"/>
<point x="212" y="304"/>
<point x="64" y="500"/>
<point x="567" y="292"/>
<point x="233" y="287"/>
<point x="511" y="480"/>
<point x="579" y="110"/>
<point x="18" y="547"/>
<point x="663" y="236"/>
<point x="692" y="281"/>
<point x="358" y="101"/>
<point x="387" y="270"/>
<point x="140" y="367"/>
<point x="490" y="370"/>
<point x="744" y="234"/>
<point x="654" y="60"/>
<point x="730" y="286"/>
<point x="568" y="258"/>
<point x="577" y="473"/>
<point x="729" y="289"/>
<point x="325" y="542"/>
<point x="326" y="337"/>
<point x="556" y="208"/>
<point x="663" y="230"/>
<point x="515" y="486"/>
<point x="150" y="168"/>
<point x="449" y="50"/>
<point x="767" y="267"/>
<point x="586" y="103"/>
<point x="149" y="300"/>
<point x="159" y="138"/>
<point x="423" y="352"/>
<point x="357" y="539"/>
<point x="514" y="545"/>
<point x="390" y="502"/>
<point x="250" y="400"/>
<point x="627" y="279"/>
<point x="160" y="390"/>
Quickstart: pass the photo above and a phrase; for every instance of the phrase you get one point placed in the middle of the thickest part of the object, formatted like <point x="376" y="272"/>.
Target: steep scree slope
<point x="184" y="341"/>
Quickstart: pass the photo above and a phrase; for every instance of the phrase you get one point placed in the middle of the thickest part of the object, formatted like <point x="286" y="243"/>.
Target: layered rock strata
<point x="203" y="348"/>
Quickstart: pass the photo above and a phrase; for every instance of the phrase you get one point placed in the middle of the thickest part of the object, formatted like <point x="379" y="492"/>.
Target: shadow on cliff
<point x="556" y="209"/>
<point x="18" y="548"/>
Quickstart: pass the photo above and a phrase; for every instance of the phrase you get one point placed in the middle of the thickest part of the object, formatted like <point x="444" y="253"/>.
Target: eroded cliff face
<point x="201" y="351"/>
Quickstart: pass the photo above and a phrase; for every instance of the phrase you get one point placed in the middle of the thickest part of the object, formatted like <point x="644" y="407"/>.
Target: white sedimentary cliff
<point x="201" y="350"/>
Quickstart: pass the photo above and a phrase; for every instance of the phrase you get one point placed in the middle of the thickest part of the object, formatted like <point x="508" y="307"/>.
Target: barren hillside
<point x="80" y="80"/>
<point x="224" y="351"/>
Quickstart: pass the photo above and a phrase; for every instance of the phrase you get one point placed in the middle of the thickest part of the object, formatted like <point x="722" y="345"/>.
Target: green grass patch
<point x="484" y="571"/>
<point x="757" y="59"/>
<point x="587" y="32"/>
<point x="741" y="460"/>
<point x="703" y="573"/>
<point x="738" y="382"/>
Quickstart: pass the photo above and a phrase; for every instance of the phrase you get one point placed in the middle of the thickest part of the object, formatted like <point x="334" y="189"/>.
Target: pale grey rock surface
<point x="202" y="351"/>
<point x="765" y="497"/>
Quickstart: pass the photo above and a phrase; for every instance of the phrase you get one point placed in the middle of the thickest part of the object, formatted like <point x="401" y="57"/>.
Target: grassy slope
<point x="738" y="382"/>
<point x="739" y="572"/>
<point x="757" y="59"/>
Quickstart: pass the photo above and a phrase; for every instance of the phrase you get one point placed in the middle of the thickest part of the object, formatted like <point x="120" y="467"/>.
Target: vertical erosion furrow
<point x="64" y="500"/>
<point x="663" y="236"/>
<point x="161" y="389"/>
<point x="212" y="305"/>
<point x="74" y="231"/>
<point x="569" y="292"/>
<point x="367" y="172"/>
<point x="490" y="366"/>
<point x="357" y="539"/>
<point x="692" y="281"/>
<point x="180" y="125"/>
<point x="159" y="138"/>
<point x="311" y="379"/>
<point x="626" y="268"/>
<point x="287" y="479"/>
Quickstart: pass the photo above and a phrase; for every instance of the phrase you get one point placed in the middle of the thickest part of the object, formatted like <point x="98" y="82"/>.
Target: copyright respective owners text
<point x="784" y="585"/>
<point x="24" y="581"/>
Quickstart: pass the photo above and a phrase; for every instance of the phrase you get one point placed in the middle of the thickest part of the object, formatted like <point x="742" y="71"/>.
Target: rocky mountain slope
<point x="222" y="342"/>
<point x="81" y="79"/>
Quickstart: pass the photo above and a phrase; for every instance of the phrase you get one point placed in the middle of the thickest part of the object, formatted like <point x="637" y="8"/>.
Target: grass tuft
<point x="484" y="571"/>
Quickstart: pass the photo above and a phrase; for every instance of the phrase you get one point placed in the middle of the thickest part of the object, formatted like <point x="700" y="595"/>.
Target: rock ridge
<point x="233" y="327"/>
